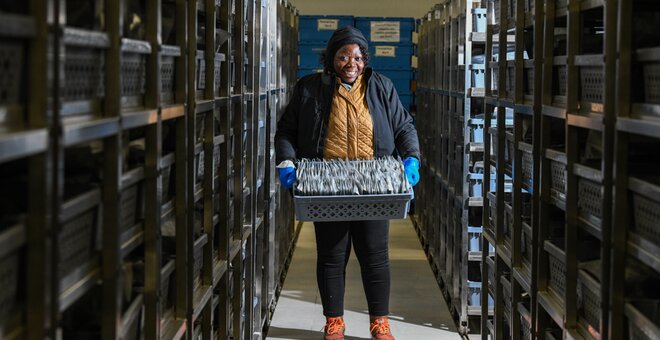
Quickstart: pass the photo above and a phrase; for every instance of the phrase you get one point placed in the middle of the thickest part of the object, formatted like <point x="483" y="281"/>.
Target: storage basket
<point x="591" y="84"/>
<point x="558" y="174"/>
<point x="525" y="323"/>
<point x="340" y="190"/>
<point x="129" y="206"/>
<point x="557" y="275"/>
<point x="84" y="69"/>
<point x="133" y="73"/>
<point x="506" y="296"/>
<point x="561" y="78"/>
<point x="198" y="259"/>
<point x="474" y="294"/>
<point x="526" y="246"/>
<point x="643" y="319"/>
<point x="590" y="199"/>
<point x="478" y="76"/>
<point x="352" y="208"/>
<point x="76" y="241"/>
<point x="490" y="262"/>
<point x="646" y="210"/>
<point x="527" y="163"/>
<point x="588" y="298"/>
<point x="166" y="277"/>
<point x="508" y="224"/>
<point x="479" y="20"/>
<point x="509" y="151"/>
<point x="168" y="73"/>
<point x="474" y="236"/>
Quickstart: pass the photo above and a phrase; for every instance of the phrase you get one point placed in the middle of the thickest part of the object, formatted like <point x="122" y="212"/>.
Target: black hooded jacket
<point x="302" y="128"/>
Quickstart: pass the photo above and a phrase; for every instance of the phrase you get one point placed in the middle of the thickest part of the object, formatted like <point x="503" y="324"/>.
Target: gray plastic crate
<point x="558" y="174"/>
<point x="129" y="206"/>
<point x="77" y="240"/>
<point x="133" y="73"/>
<point x="646" y="209"/>
<point x="588" y="293"/>
<point x="352" y="208"/>
<point x="506" y="297"/>
<point x="591" y="84"/>
<point x="168" y="58"/>
<point x="590" y="199"/>
<point x="527" y="163"/>
<point x="643" y="319"/>
<point x="557" y="269"/>
<point x="525" y="322"/>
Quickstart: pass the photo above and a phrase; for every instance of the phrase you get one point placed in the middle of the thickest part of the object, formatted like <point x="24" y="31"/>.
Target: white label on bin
<point x="385" y="51"/>
<point x="327" y="24"/>
<point x="385" y="31"/>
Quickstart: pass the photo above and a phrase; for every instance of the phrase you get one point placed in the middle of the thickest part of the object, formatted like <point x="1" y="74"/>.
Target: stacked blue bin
<point x="391" y="51"/>
<point x="314" y="33"/>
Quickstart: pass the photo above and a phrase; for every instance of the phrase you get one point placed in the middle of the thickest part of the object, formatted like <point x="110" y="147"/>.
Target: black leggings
<point x="333" y="244"/>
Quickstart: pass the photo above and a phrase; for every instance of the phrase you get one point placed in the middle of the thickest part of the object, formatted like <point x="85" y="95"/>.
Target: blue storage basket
<point x="386" y="30"/>
<point x="391" y="56"/>
<point x="479" y="20"/>
<point x="319" y="28"/>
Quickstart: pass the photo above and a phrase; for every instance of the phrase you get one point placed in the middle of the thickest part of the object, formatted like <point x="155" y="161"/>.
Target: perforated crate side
<point x="526" y="247"/>
<point x="558" y="179"/>
<point x="642" y="319"/>
<point x="347" y="208"/>
<point x="133" y="79"/>
<point x="527" y="162"/>
<point x="165" y="182"/>
<point x="525" y="329"/>
<point x="217" y="75"/>
<point x="561" y="76"/>
<point x="557" y="275"/>
<point x="588" y="302"/>
<point x="84" y="70"/>
<point x="646" y="217"/>
<point x="506" y="297"/>
<point x="76" y="241"/>
<point x="591" y="84"/>
<point x="590" y="198"/>
<point x="167" y="75"/>
<point x="652" y="82"/>
<point x="510" y="82"/>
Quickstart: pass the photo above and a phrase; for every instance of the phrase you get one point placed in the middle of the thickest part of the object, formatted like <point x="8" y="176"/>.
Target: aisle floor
<point x="417" y="308"/>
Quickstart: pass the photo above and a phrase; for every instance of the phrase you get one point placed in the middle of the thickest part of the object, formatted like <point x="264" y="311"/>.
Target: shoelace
<point x="380" y="326"/>
<point x="334" y="326"/>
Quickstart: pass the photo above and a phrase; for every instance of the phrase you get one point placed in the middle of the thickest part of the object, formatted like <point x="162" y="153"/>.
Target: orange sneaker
<point x="380" y="329"/>
<point x="334" y="328"/>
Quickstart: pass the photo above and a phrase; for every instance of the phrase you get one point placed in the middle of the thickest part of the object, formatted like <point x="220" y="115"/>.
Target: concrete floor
<point x="418" y="311"/>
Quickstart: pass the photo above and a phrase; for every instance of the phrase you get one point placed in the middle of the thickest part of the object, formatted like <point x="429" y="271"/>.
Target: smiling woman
<point x="348" y="112"/>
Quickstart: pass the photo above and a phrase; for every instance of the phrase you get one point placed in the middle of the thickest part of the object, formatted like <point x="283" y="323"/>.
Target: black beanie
<point x="340" y="37"/>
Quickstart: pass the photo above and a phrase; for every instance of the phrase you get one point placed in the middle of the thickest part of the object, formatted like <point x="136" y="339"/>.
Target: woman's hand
<point x="287" y="173"/>
<point x="411" y="168"/>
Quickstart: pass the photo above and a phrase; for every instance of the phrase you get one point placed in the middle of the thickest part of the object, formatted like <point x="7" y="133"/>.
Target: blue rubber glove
<point x="287" y="176"/>
<point x="411" y="167"/>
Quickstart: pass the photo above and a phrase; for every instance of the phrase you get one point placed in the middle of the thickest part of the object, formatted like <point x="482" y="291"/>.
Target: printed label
<point x="327" y="24"/>
<point x="385" y="31"/>
<point x="385" y="51"/>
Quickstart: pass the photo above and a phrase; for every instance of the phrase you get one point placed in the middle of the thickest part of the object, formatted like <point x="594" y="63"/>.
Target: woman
<point x="348" y="112"/>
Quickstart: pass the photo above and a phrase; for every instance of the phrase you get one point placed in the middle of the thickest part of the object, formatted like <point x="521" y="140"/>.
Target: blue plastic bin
<point x="319" y="28"/>
<point x="474" y="295"/>
<point x="305" y="71"/>
<point x="310" y="55"/>
<point x="400" y="78"/>
<point x="391" y="56"/>
<point x="479" y="20"/>
<point x="386" y="30"/>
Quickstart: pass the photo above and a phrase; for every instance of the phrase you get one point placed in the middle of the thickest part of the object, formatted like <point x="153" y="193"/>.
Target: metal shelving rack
<point x="135" y="143"/>
<point x="450" y="203"/>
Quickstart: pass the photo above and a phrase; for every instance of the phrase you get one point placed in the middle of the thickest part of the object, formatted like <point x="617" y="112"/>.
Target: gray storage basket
<point x="352" y="207"/>
<point x="588" y="300"/>
<point x="643" y="319"/>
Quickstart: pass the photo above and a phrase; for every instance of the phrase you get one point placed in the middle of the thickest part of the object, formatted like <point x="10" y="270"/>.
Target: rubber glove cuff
<point x="287" y="174"/>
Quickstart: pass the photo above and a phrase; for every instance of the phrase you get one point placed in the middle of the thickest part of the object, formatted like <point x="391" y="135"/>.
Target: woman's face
<point x="349" y="63"/>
